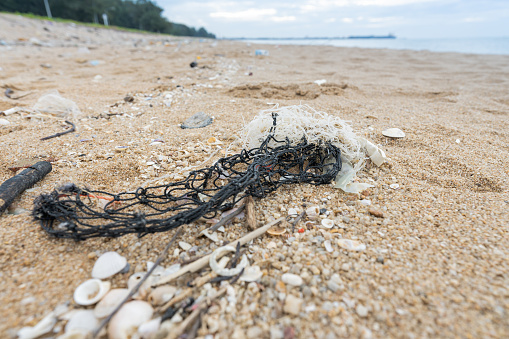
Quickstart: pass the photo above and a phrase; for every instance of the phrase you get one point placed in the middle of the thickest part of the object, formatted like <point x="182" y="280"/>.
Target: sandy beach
<point x="436" y="264"/>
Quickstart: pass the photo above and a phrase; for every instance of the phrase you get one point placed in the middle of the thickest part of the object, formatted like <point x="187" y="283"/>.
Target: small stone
<point x="291" y="279"/>
<point x="333" y="286"/>
<point x="254" y="332"/>
<point x="292" y="305"/>
<point x="4" y="122"/>
<point x="376" y="213"/>
<point x="380" y="260"/>
<point x="129" y="98"/>
<point x="345" y="267"/>
<point x="92" y="255"/>
<point x="198" y="120"/>
<point x="361" y="310"/>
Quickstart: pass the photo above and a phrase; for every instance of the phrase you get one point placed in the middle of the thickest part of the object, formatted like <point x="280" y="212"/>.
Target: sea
<point x="498" y="45"/>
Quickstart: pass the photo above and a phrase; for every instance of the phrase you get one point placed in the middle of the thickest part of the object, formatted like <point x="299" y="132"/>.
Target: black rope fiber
<point x="73" y="212"/>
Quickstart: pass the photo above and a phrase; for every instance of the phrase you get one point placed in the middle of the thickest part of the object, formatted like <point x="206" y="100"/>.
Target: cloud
<point x="347" y="20"/>
<point x="473" y="19"/>
<point x="251" y="14"/>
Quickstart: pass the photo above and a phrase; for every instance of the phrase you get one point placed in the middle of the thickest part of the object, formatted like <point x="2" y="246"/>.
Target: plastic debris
<point x="199" y="120"/>
<point x="320" y="82"/>
<point x="53" y="103"/>
<point x="262" y="52"/>
<point x="193" y="64"/>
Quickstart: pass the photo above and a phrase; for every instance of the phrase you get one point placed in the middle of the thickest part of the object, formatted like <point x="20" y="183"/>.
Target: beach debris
<point x="198" y="120"/>
<point x="251" y="273"/>
<point x="395" y="133"/>
<point x="328" y="246"/>
<point x="292" y="212"/>
<point x="41" y="328"/>
<point x="15" y="93"/>
<point x="313" y="212"/>
<point x="250" y="213"/>
<point x="128" y="98"/>
<point x="53" y="103"/>
<point x="394" y="186"/>
<point x="83" y="321"/>
<point x="226" y="217"/>
<point x="108" y="264"/>
<point x="320" y="82"/>
<point x="16" y="185"/>
<point x="4" y="122"/>
<point x="275" y="230"/>
<point x="130" y="316"/>
<point x="193" y="64"/>
<point x="161" y="295"/>
<point x="263" y="52"/>
<point x="222" y="270"/>
<point x="291" y="279"/>
<point x="212" y="141"/>
<point x="185" y="246"/>
<point x="91" y="291"/>
<point x="110" y="301"/>
<point x="46" y="65"/>
<point x="375" y="153"/>
<point x="327" y="223"/>
<point x="376" y="212"/>
<point x="69" y="130"/>
<point x="351" y="245"/>
<point x="292" y="304"/>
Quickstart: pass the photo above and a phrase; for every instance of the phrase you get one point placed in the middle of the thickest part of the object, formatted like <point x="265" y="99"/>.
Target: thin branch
<point x="70" y="130"/>
<point x="224" y="220"/>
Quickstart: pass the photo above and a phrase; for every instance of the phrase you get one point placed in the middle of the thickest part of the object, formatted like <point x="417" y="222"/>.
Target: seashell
<point x="42" y="327"/>
<point x="127" y="320"/>
<point x="91" y="291"/>
<point x="291" y="279"/>
<point x="149" y="329"/>
<point x="327" y="223"/>
<point x="213" y="141"/>
<point x="161" y="294"/>
<point x="226" y="271"/>
<point x="82" y="320"/>
<point x="108" y="264"/>
<point x="212" y="236"/>
<point x="394" y="186"/>
<point x="351" y="245"/>
<point x="134" y="279"/>
<point x="251" y="273"/>
<point x="275" y="230"/>
<point x="185" y="246"/>
<point x="223" y="262"/>
<point x="313" y="211"/>
<point x="328" y="246"/>
<point x="393" y="133"/>
<point x="110" y="301"/>
<point x="145" y="288"/>
<point x="170" y="270"/>
<point x="292" y="212"/>
<point x="4" y="122"/>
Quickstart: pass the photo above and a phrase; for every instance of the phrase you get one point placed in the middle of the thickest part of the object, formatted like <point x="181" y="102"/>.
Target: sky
<point x="335" y="18"/>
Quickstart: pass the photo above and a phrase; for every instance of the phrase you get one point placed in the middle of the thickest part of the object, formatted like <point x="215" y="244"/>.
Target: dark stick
<point x="226" y="219"/>
<point x="297" y="220"/>
<point x="16" y="185"/>
<point x="70" y="130"/>
<point x="135" y="289"/>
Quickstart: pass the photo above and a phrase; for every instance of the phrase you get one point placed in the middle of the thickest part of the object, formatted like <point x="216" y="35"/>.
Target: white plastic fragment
<point x="53" y="103"/>
<point x="376" y="154"/>
<point x="226" y="271"/>
<point x="320" y="82"/>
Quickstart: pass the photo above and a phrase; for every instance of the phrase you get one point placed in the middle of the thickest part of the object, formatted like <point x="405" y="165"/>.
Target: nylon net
<point x="77" y="213"/>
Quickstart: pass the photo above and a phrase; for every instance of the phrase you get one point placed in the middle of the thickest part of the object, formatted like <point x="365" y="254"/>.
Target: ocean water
<point x="462" y="45"/>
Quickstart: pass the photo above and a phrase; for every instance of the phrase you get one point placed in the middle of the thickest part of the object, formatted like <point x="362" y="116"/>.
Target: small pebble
<point x="291" y="279"/>
<point x="292" y="305"/>
<point x="375" y="212"/>
<point x="362" y="311"/>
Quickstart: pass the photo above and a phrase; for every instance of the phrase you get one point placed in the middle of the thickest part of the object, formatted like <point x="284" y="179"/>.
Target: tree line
<point x="138" y="14"/>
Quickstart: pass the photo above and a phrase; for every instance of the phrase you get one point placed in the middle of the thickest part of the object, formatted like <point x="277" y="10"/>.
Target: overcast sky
<point x="317" y="18"/>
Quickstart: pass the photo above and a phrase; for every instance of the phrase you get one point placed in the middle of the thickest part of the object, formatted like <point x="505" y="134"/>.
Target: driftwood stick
<point x="202" y="262"/>
<point x="16" y="185"/>
<point x="226" y="219"/>
<point x="297" y="220"/>
<point x="136" y="288"/>
<point x="250" y="213"/>
<point x="70" y="130"/>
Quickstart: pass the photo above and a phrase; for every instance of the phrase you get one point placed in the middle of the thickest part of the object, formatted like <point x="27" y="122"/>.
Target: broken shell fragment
<point x="42" y="327"/>
<point x="161" y="295"/>
<point x="91" y="291"/>
<point x="226" y="271"/>
<point x="351" y="245"/>
<point x="213" y="141"/>
<point x="328" y="246"/>
<point x="313" y="211"/>
<point x="327" y="223"/>
<point x="110" y="301"/>
<point x="108" y="264"/>
<point x="127" y="320"/>
<point x="393" y="133"/>
<point x="82" y="320"/>
<point x="275" y="230"/>
<point x="251" y="273"/>
<point x="185" y="246"/>
<point x="292" y="212"/>
<point x="149" y="328"/>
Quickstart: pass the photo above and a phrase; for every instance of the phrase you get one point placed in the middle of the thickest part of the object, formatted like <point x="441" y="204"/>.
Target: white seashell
<point x="292" y="212"/>
<point x="327" y="223"/>
<point x="170" y="270"/>
<point x="161" y="294"/>
<point x="291" y="279"/>
<point x="135" y="279"/>
<point x="145" y="288"/>
<point x="91" y="291"/>
<point x="351" y="245"/>
<point x="313" y="211"/>
<point x="212" y="236"/>
<point x="328" y="246"/>
<point x="127" y="320"/>
<point x="365" y="202"/>
<point x="185" y="246"/>
<point x="108" y="264"/>
<point x="148" y="329"/>
<point x="375" y="153"/>
<point x="4" y="122"/>
<point x="110" y="301"/>
<point x="251" y="273"/>
<point x="42" y="327"/>
<point x="393" y="133"/>
<point x="226" y="271"/>
<point x="75" y="334"/>
<point x="223" y="262"/>
<point x="394" y="186"/>
<point x="83" y="320"/>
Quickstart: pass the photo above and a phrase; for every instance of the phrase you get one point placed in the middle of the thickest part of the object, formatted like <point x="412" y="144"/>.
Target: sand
<point x="435" y="266"/>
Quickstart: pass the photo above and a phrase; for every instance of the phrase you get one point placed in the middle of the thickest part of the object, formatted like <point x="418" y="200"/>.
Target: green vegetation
<point x="131" y="14"/>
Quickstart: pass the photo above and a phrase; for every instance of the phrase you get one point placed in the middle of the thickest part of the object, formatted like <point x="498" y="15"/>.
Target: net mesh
<point x="78" y="213"/>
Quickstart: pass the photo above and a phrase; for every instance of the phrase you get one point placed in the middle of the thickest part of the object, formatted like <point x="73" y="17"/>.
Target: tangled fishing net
<point x="283" y="146"/>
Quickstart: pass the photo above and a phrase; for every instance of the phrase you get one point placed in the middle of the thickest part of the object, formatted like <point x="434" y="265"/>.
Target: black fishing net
<point x="78" y="213"/>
